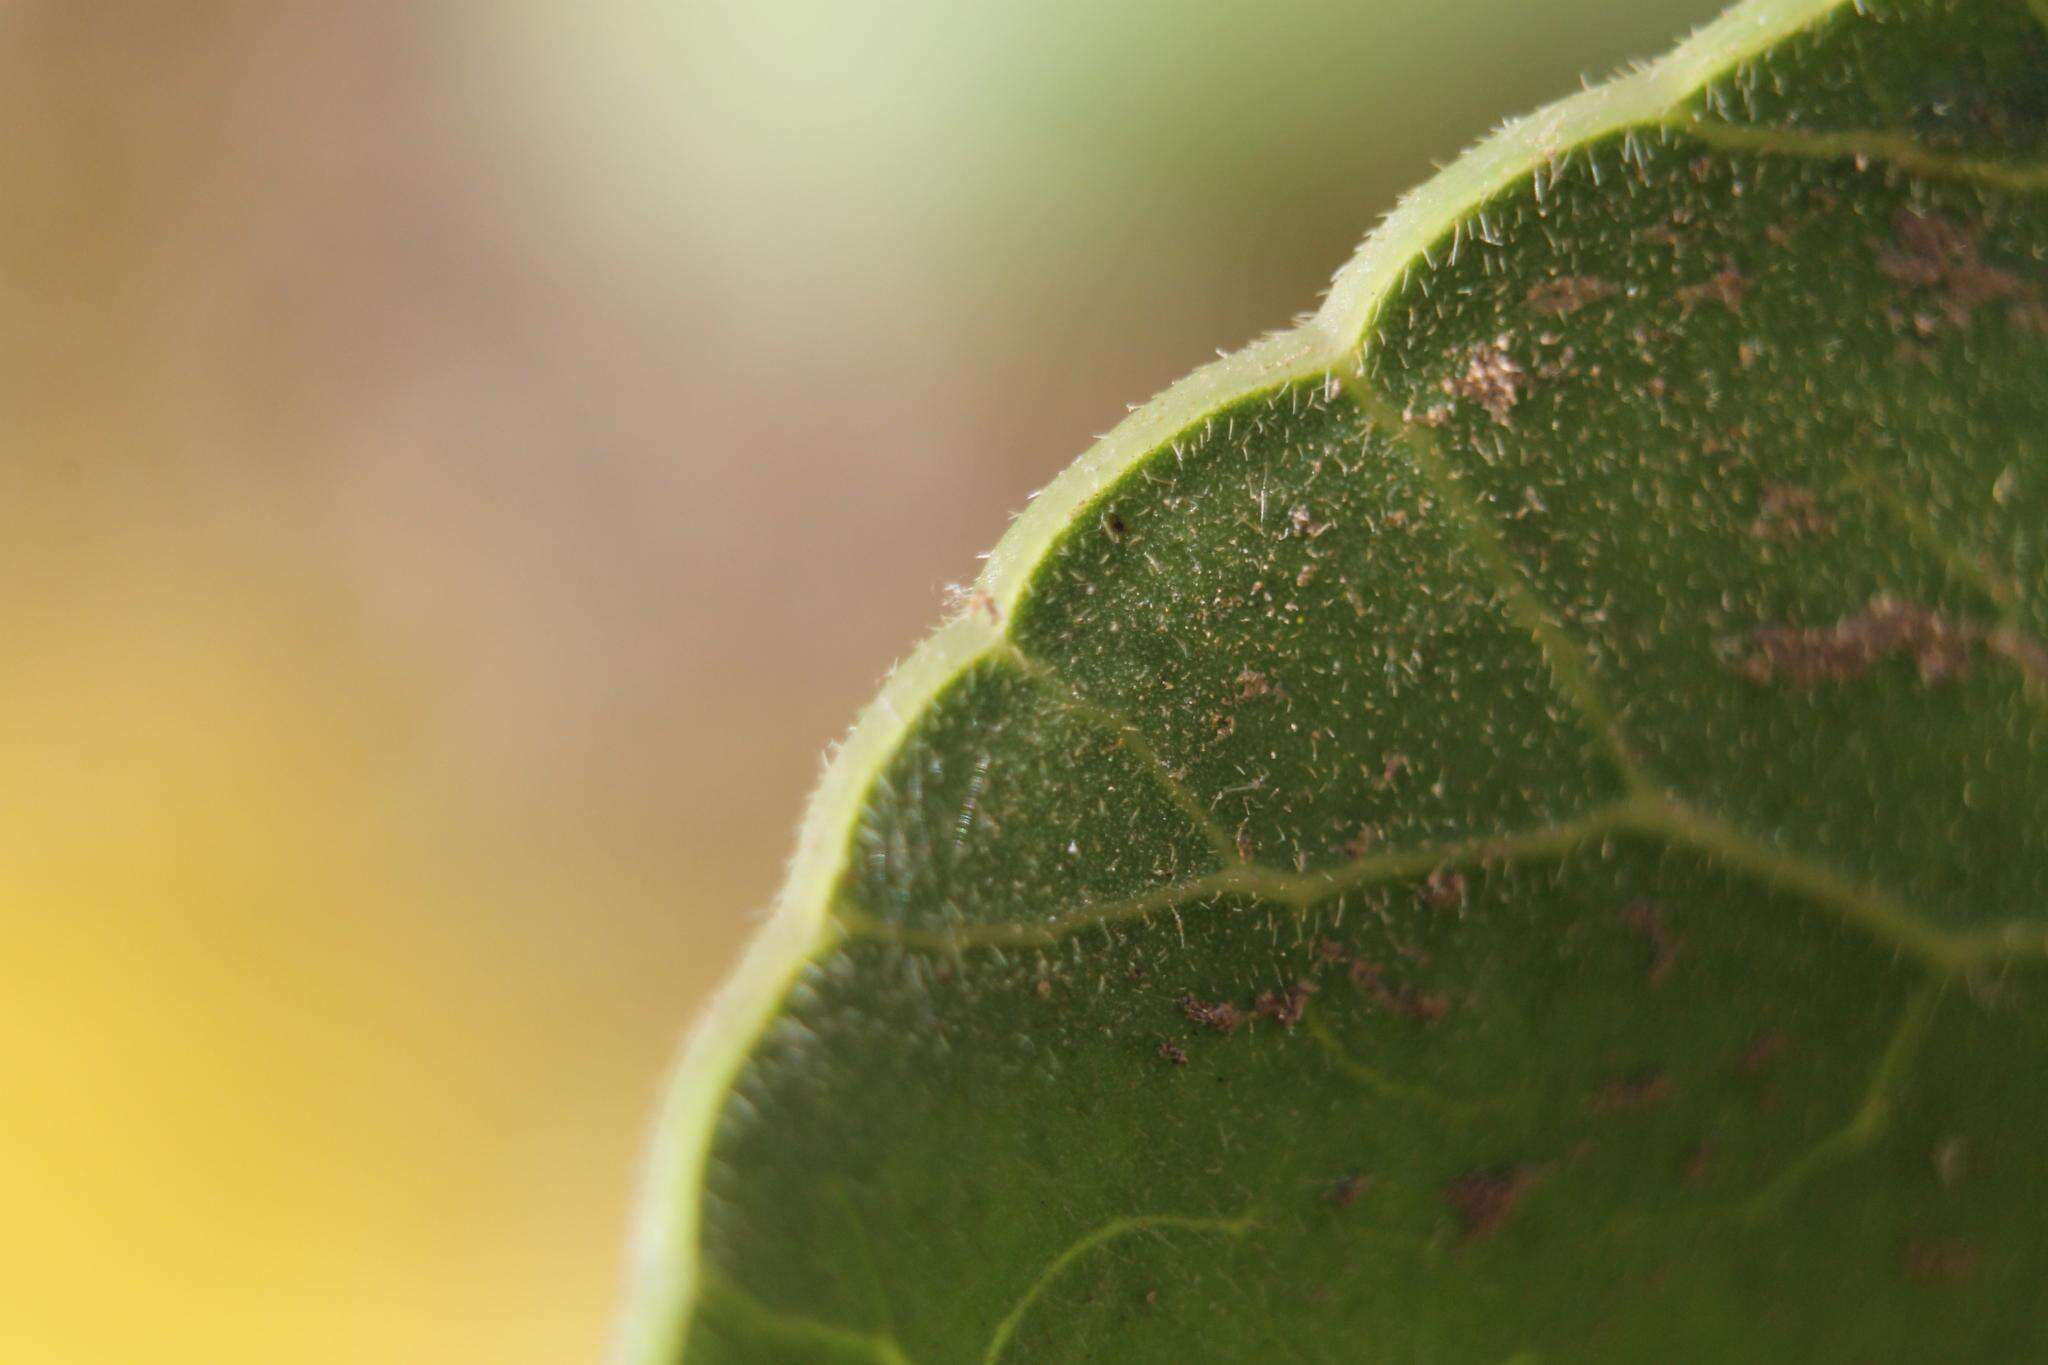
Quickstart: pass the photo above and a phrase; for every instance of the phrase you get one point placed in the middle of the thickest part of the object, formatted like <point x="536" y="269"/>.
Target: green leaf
<point x="1506" y="822"/>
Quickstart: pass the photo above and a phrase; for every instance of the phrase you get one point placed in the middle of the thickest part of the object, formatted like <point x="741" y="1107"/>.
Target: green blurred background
<point x="464" y="461"/>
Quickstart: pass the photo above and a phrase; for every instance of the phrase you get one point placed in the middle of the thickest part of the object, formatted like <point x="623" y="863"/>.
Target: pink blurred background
<point x="465" y="460"/>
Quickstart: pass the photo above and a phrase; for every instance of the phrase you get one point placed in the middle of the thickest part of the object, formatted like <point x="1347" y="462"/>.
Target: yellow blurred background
<point x="464" y="460"/>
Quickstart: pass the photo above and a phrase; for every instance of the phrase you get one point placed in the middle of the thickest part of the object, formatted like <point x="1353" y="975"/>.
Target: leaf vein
<point x="1891" y="149"/>
<point x="1108" y="1232"/>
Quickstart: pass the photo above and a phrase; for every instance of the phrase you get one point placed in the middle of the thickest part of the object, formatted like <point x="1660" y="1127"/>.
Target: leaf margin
<point x="662" y="1269"/>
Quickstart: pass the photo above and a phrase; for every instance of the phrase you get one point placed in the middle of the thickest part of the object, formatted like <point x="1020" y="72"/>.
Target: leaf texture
<point x="1507" y="822"/>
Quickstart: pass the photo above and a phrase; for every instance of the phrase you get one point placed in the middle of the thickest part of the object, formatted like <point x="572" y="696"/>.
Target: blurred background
<point x="463" y="462"/>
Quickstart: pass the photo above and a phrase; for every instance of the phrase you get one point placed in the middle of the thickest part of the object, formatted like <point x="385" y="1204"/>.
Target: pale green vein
<point x="1295" y="889"/>
<point x="794" y="1332"/>
<point x="1874" y="910"/>
<point x="1973" y="568"/>
<point x="1891" y="149"/>
<point x="668" y="1276"/>
<point x="1872" y="1117"/>
<point x="1054" y="684"/>
<point x="1569" y="668"/>
<point x="1108" y="1232"/>
<point x="878" y="1290"/>
<point x="1865" y="906"/>
<point x="1380" y="1084"/>
<point x="2012" y="942"/>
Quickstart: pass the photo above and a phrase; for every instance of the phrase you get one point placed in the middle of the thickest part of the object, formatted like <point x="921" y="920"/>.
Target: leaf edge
<point x="661" y="1257"/>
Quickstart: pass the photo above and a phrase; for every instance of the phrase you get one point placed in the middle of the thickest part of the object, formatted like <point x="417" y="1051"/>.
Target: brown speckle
<point x="1483" y="1200"/>
<point x="1345" y="1192"/>
<point x="1568" y="293"/>
<point x="1790" y="512"/>
<point x="1644" y="1090"/>
<point x="1285" y="1007"/>
<point x="1809" y="656"/>
<point x="1424" y="1006"/>
<point x="1445" y="888"/>
<point x="1221" y="1016"/>
<point x="1939" y="1262"/>
<point x="1302" y="522"/>
<point x="1491" y="379"/>
<point x="1113" y="524"/>
<point x="1931" y="253"/>
<point x="1043" y="990"/>
<point x="1395" y="767"/>
<point x="1252" y="684"/>
<point x="1362" y="842"/>
<point x="1172" y="1053"/>
<point x="1725" y="288"/>
<point x="983" y="601"/>
<point x="1647" y="920"/>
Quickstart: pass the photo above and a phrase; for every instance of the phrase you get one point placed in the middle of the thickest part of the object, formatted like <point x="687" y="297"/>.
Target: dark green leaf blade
<point x="1507" y="822"/>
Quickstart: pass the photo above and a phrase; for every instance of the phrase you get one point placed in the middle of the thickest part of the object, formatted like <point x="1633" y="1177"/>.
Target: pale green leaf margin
<point x="663" y="1255"/>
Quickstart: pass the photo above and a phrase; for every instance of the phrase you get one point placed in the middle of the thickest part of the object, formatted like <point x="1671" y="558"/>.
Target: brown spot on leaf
<point x="1445" y="888"/>
<point x="1424" y="1006"/>
<point x="1807" y="656"/>
<point x="1725" y="288"/>
<point x="1647" y="920"/>
<point x="1285" y="1007"/>
<point x="1931" y="253"/>
<point x="1406" y="1001"/>
<point x="1491" y="379"/>
<point x="1644" y="1090"/>
<point x="1790" y="512"/>
<point x="1302" y="522"/>
<point x="1939" y="1262"/>
<point x="1568" y="293"/>
<point x="1172" y="1053"/>
<point x="1251" y="685"/>
<point x="1362" y="842"/>
<point x="1484" y="1200"/>
<point x="1345" y="1192"/>
<point x="1221" y="1016"/>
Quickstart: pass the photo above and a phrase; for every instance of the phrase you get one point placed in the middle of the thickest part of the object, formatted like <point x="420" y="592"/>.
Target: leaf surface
<point x="1507" y="822"/>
